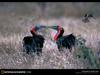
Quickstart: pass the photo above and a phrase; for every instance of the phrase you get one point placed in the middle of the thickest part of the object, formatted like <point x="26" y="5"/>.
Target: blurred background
<point x="50" y="9"/>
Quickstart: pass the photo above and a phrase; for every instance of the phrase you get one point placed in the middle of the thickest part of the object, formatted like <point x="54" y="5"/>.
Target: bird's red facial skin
<point x="56" y="36"/>
<point x="33" y="30"/>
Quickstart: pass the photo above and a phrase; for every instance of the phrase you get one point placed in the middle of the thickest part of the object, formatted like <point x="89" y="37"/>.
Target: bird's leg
<point x="60" y="48"/>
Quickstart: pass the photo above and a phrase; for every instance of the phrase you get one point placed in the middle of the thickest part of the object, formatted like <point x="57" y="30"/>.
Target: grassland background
<point x="17" y="18"/>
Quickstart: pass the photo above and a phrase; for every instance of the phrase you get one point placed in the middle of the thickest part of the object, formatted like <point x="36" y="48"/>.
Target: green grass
<point x="86" y="55"/>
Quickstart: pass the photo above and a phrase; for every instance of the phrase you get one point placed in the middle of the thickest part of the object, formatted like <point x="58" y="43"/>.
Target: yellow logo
<point x="2" y="71"/>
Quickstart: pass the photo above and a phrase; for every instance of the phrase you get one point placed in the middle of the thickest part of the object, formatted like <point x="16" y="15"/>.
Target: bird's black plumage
<point x="33" y="44"/>
<point x="67" y="41"/>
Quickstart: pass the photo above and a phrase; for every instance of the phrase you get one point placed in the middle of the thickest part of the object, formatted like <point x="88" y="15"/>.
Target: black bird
<point x="33" y="44"/>
<point x="87" y="17"/>
<point x="67" y="41"/>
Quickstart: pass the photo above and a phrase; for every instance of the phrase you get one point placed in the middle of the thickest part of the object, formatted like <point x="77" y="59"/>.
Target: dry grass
<point x="11" y="55"/>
